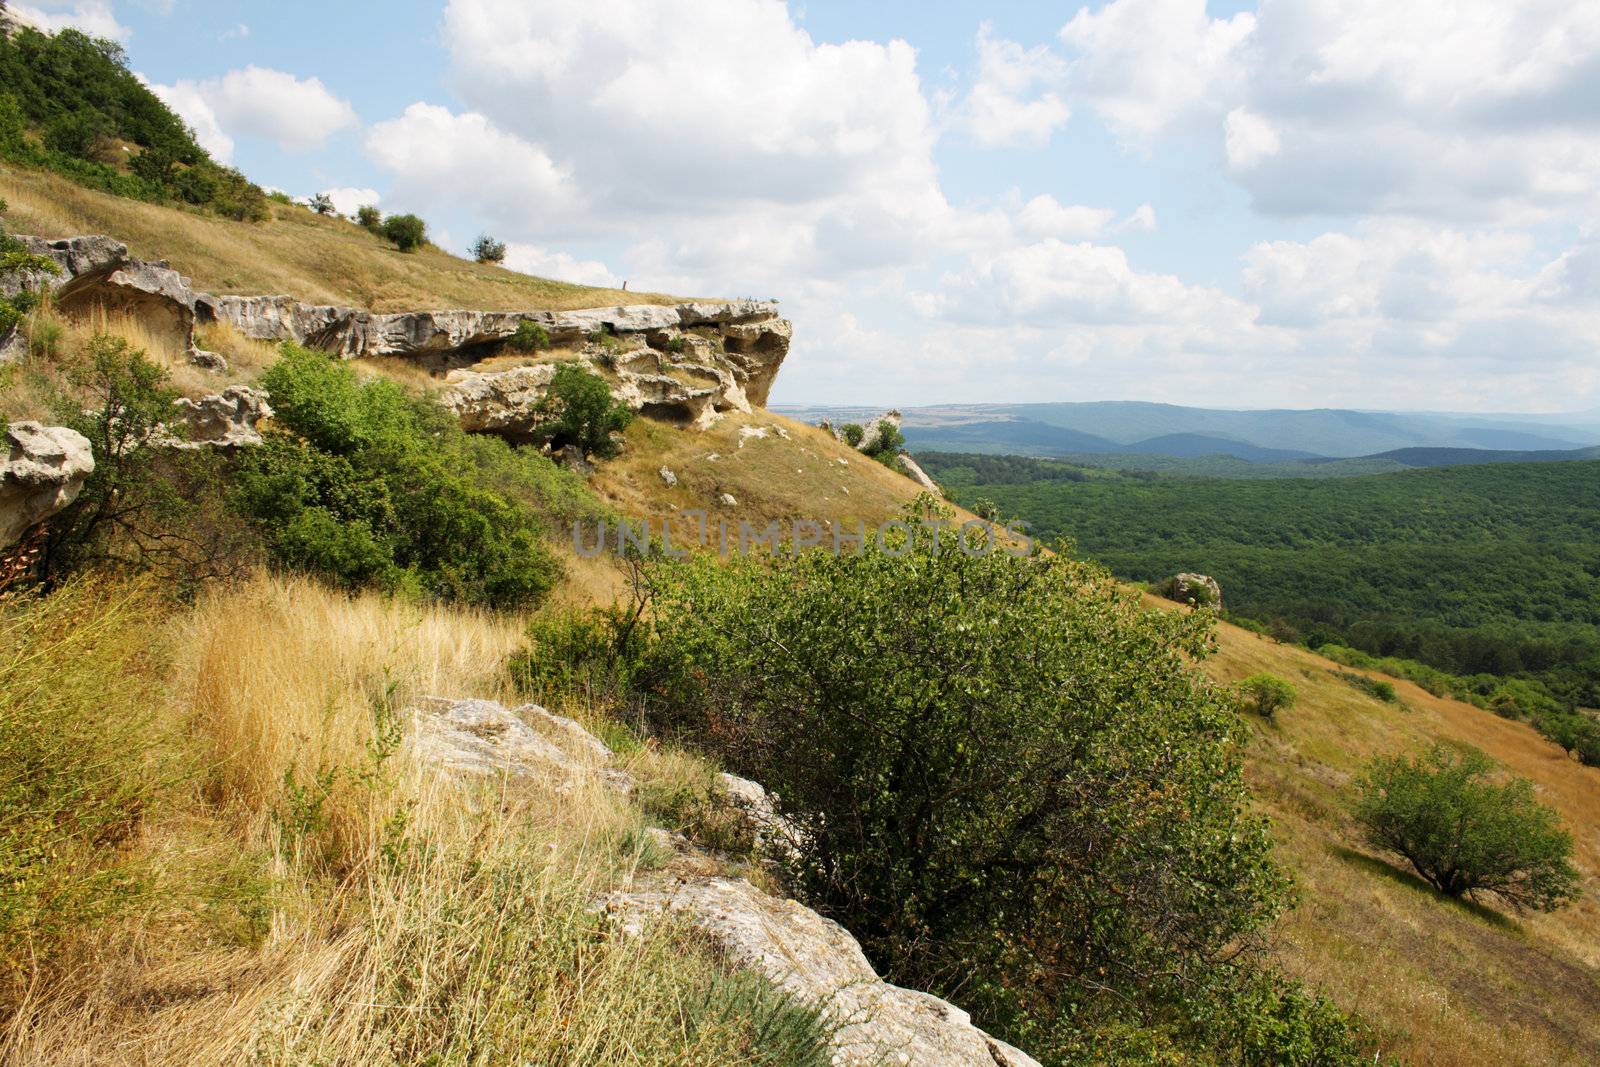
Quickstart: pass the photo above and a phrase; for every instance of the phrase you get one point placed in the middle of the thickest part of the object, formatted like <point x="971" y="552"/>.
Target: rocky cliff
<point x="688" y="362"/>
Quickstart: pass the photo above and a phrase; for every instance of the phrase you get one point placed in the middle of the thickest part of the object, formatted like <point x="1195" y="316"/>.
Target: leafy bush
<point x="530" y="337"/>
<point x="1006" y="773"/>
<point x="1376" y="688"/>
<point x="408" y="232"/>
<point x="852" y="434"/>
<point x="1465" y="834"/>
<point x="487" y="250"/>
<point x="1267" y="694"/>
<point x="146" y="505"/>
<point x="888" y="444"/>
<point x="373" y="487"/>
<point x="82" y="760"/>
<point x="369" y="218"/>
<point x="579" y="410"/>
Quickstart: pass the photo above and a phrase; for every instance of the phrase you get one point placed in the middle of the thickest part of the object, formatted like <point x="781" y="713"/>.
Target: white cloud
<point x="300" y="114"/>
<point x="1045" y="216"/>
<point x="530" y="259"/>
<point x="1145" y="64"/>
<point x="347" y="200"/>
<point x="1006" y="105"/>
<point x="1249" y="139"/>
<point x="438" y="156"/>
<point x="93" y="17"/>
<point x="1142" y="220"/>
<point x="191" y="105"/>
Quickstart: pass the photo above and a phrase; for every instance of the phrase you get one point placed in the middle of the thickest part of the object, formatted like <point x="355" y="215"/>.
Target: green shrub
<point x="530" y="337"/>
<point x="145" y="506"/>
<point x="578" y="409"/>
<point x="372" y="487"/>
<point x="369" y="218"/>
<point x="1266" y="694"/>
<point x="888" y="444"/>
<point x="408" y="232"/>
<point x="83" y="761"/>
<point x="1376" y="688"/>
<point x="1464" y="833"/>
<point x="852" y="434"/>
<point x="487" y="250"/>
<point x="1006" y="773"/>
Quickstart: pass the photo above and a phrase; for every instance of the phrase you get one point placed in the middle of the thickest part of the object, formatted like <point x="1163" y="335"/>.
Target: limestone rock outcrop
<point x="816" y="960"/>
<point x="914" y="471"/>
<point x="686" y="362"/>
<point x="224" y="420"/>
<point x="43" y="472"/>
<point x="1201" y="590"/>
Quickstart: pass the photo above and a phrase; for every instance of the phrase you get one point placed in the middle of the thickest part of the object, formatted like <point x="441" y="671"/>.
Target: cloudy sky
<point x="1293" y="203"/>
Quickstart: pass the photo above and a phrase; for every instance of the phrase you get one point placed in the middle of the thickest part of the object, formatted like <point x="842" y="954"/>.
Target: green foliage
<point x="578" y="409"/>
<point x="852" y="434"/>
<point x="146" y="505"/>
<point x="82" y="761"/>
<point x="1376" y="688"/>
<point x="530" y="337"/>
<point x="408" y="232"/>
<point x="1005" y="772"/>
<point x="778" y="1030"/>
<point x="1464" y="579"/>
<point x="78" y="95"/>
<point x="1466" y="834"/>
<point x="487" y="250"/>
<point x="1266" y="694"/>
<point x="370" y="218"/>
<point x="17" y="263"/>
<point x="373" y="487"/>
<point x="322" y="204"/>
<point x="888" y="444"/>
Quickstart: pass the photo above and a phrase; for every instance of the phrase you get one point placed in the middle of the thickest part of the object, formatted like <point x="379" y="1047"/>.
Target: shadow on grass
<point x="1408" y="880"/>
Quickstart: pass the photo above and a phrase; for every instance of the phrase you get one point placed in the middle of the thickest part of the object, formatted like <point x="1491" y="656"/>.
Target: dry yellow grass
<point x="409" y="918"/>
<point x="315" y="259"/>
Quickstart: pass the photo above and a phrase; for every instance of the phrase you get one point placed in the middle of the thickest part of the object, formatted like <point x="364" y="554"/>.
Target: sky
<point x="1318" y="203"/>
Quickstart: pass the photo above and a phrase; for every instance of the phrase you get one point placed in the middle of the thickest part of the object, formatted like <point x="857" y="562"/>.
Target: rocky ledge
<point x="686" y="362"/>
<point x="813" y="958"/>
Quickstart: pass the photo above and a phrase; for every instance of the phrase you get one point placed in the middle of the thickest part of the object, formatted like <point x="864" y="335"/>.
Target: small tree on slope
<point x="1466" y="834"/>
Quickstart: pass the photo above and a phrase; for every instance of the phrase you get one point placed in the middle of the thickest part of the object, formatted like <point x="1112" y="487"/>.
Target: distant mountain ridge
<point x="1268" y="436"/>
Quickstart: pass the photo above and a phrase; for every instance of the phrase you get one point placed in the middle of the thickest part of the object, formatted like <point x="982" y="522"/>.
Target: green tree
<point x="487" y="250"/>
<point x="322" y="204"/>
<point x="1267" y="694"/>
<point x="888" y="444"/>
<point x="369" y="218"/>
<point x="852" y="434"/>
<point x="1002" y="772"/>
<point x="579" y="410"/>
<point x="530" y="337"/>
<point x="408" y="232"/>
<point x="1465" y="833"/>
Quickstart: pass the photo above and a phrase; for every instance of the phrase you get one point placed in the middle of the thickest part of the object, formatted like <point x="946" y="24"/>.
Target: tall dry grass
<point x="389" y="913"/>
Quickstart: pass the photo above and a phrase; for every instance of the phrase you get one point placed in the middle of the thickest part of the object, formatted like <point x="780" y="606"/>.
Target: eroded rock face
<point x="816" y="960"/>
<point x="687" y="363"/>
<point x="914" y="471"/>
<point x="224" y="420"/>
<point x="43" y="472"/>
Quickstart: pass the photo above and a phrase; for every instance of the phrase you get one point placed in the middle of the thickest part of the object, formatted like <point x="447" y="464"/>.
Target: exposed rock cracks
<point x="812" y="958"/>
<point x="43" y="471"/>
<point x="688" y="362"/>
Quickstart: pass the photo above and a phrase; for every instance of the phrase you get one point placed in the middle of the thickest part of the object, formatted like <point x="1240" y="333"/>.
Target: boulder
<point x="43" y="472"/>
<point x="224" y="420"/>
<point x="479" y="738"/>
<point x="508" y="403"/>
<point x="817" y="961"/>
<point x="1200" y="590"/>
<point x="668" y="478"/>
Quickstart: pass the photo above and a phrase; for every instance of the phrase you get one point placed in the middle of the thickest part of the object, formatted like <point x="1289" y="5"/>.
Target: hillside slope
<point x="316" y="259"/>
